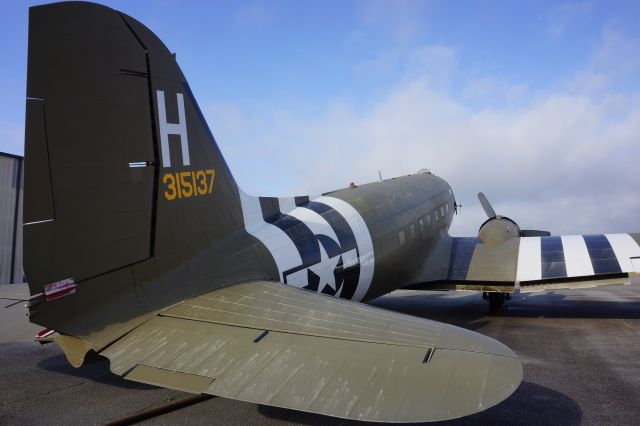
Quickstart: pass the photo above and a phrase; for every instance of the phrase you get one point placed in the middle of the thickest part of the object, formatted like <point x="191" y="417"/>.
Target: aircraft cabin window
<point x="412" y="231"/>
<point x="401" y="237"/>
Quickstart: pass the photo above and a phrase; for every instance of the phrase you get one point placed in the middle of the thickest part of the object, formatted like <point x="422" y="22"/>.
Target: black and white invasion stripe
<point x="544" y="258"/>
<point x="306" y="234"/>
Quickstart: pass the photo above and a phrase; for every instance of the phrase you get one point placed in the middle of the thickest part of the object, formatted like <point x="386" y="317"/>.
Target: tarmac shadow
<point x="561" y="305"/>
<point x="530" y="404"/>
<point x="464" y="311"/>
<point x="98" y="371"/>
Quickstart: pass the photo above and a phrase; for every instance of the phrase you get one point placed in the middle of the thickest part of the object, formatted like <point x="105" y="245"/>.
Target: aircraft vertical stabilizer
<point x="124" y="180"/>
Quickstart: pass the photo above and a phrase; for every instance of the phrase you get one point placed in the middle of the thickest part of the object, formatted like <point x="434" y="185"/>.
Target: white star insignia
<point x="325" y="269"/>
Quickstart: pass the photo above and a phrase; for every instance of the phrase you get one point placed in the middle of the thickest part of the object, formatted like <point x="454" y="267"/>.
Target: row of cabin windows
<point x="444" y="209"/>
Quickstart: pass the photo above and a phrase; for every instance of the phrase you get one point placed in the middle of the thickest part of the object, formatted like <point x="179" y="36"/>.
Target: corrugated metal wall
<point x="11" y="219"/>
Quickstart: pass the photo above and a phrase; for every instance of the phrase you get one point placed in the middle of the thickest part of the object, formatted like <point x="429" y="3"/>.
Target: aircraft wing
<point x="577" y="260"/>
<point x="541" y="263"/>
<point x="273" y="344"/>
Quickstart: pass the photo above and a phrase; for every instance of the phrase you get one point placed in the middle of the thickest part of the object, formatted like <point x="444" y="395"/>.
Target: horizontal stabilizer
<point x="16" y="292"/>
<point x="273" y="344"/>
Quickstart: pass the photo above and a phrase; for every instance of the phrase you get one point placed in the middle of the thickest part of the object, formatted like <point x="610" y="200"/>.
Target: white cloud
<point x="400" y="20"/>
<point x="563" y="161"/>
<point x="613" y="63"/>
<point x="543" y="164"/>
<point x="563" y="15"/>
<point x="480" y="90"/>
<point x="436" y="63"/>
<point x="256" y="13"/>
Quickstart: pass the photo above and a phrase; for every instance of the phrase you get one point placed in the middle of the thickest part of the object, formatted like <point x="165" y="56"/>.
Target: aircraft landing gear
<point x="496" y="301"/>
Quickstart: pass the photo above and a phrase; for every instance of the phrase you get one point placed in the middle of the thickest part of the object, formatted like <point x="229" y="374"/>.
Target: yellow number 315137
<point x="188" y="184"/>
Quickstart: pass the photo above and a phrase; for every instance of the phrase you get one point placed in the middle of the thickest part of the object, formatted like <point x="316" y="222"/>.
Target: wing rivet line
<point x="261" y="336"/>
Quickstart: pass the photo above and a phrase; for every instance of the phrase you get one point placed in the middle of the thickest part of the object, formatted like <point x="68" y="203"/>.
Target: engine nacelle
<point x="497" y="230"/>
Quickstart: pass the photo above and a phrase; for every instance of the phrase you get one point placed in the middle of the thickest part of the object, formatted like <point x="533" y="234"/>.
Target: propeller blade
<point x="486" y="205"/>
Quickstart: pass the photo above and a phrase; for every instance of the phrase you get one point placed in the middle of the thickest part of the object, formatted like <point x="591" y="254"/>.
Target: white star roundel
<point x="319" y="244"/>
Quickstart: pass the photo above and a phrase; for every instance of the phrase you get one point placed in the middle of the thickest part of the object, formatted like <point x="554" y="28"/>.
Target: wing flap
<point x="571" y="283"/>
<point x="380" y="374"/>
<point x="169" y="378"/>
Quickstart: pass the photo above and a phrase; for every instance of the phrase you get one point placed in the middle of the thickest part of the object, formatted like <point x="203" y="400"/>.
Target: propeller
<point x="486" y="205"/>
<point x="491" y="213"/>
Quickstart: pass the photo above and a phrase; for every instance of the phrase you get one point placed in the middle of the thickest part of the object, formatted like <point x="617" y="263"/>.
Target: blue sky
<point x="535" y="103"/>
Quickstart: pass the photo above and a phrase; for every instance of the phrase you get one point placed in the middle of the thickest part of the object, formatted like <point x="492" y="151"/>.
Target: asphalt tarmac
<point x="580" y="350"/>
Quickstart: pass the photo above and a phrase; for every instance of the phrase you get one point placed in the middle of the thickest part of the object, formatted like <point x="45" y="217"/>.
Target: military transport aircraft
<point x="140" y="246"/>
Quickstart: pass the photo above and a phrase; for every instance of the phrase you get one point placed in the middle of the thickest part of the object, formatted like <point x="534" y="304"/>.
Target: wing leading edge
<point x="272" y="344"/>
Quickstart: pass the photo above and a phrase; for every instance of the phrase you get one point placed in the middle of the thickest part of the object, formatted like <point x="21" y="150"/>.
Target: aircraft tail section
<point x="124" y="181"/>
